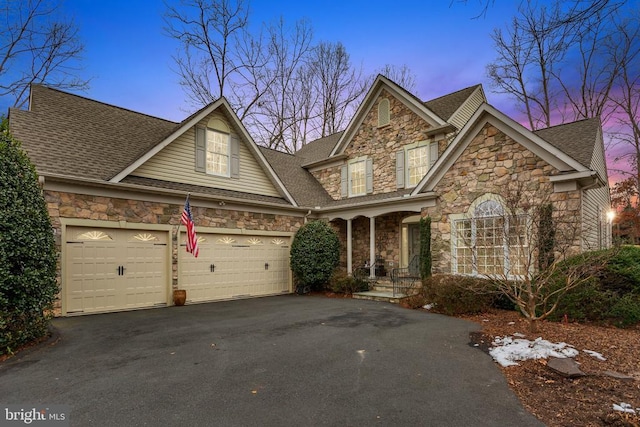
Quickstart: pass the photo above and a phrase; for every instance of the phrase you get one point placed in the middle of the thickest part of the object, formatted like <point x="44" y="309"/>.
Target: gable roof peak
<point x="445" y="106"/>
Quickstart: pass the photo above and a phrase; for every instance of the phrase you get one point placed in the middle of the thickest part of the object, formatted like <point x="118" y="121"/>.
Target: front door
<point x="414" y="241"/>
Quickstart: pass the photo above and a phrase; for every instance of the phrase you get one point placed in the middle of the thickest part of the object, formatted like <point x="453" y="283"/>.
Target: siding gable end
<point x="184" y="161"/>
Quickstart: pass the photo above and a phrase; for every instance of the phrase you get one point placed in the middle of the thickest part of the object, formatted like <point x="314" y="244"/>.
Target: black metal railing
<point x="405" y="278"/>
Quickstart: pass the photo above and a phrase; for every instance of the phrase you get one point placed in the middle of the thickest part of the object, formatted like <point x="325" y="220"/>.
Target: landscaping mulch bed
<point x="560" y="401"/>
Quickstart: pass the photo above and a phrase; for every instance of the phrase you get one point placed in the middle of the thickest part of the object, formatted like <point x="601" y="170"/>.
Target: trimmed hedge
<point x="28" y="285"/>
<point x="342" y="283"/>
<point x="456" y="295"/>
<point x="315" y="253"/>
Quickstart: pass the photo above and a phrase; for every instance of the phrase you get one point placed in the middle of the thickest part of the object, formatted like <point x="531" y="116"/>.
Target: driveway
<point x="278" y="361"/>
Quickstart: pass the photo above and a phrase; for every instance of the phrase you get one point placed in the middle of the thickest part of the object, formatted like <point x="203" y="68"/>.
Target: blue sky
<point x="128" y="58"/>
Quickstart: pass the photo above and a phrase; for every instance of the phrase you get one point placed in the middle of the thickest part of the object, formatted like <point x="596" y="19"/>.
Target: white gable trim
<point x="486" y="113"/>
<point x="463" y="105"/>
<point x="399" y="93"/>
<point x="222" y="102"/>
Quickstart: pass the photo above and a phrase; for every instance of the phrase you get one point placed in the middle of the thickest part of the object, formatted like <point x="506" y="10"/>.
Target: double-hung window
<point x="417" y="164"/>
<point x="217" y="153"/>
<point x="413" y="162"/>
<point x="357" y="178"/>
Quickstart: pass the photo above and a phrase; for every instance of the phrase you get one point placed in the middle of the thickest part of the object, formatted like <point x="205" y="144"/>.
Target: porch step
<point x="386" y="296"/>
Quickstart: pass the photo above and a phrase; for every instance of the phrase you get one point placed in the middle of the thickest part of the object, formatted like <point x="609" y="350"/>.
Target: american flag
<point x="187" y="220"/>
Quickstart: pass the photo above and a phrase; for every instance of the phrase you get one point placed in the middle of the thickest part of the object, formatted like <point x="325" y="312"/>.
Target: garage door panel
<point x="113" y="269"/>
<point x="239" y="267"/>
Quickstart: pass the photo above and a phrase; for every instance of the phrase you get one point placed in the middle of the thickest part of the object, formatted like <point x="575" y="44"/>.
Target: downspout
<point x="305" y="217"/>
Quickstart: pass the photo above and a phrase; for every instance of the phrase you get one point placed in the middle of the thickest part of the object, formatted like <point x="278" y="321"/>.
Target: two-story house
<point x="115" y="182"/>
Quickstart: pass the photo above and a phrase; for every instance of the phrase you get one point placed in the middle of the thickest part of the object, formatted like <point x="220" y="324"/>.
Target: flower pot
<point x="179" y="297"/>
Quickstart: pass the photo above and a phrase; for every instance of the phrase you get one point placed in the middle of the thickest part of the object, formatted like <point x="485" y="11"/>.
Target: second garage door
<point x="235" y="266"/>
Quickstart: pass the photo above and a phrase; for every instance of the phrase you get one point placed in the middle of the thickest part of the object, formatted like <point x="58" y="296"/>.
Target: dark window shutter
<point x="369" y="176"/>
<point x="201" y="149"/>
<point x="433" y="153"/>
<point x="344" y="181"/>
<point x="235" y="157"/>
<point x="400" y="169"/>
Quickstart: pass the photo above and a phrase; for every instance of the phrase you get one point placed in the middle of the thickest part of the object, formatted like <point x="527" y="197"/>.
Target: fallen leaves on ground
<point x="585" y="401"/>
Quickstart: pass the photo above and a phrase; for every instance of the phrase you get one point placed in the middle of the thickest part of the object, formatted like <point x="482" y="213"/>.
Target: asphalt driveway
<point x="279" y="361"/>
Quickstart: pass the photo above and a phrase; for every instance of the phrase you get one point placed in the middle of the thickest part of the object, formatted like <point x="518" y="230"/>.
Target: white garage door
<point x="235" y="266"/>
<point x="114" y="269"/>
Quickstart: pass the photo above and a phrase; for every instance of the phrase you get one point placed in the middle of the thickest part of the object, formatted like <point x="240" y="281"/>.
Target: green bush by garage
<point x="28" y="284"/>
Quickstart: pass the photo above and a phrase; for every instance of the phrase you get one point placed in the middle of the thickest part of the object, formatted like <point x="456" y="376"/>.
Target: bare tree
<point x="401" y="75"/>
<point x="519" y="244"/>
<point x="209" y="32"/>
<point x="559" y="61"/>
<point x="37" y="47"/>
<point x="338" y="84"/>
<point x="281" y="96"/>
<point x="626" y="96"/>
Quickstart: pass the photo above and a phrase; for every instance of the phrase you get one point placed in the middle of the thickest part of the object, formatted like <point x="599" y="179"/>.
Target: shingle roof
<point x="446" y="105"/>
<point x="190" y="188"/>
<point x="318" y="149"/>
<point x="576" y="139"/>
<point x="71" y="135"/>
<point x="302" y="186"/>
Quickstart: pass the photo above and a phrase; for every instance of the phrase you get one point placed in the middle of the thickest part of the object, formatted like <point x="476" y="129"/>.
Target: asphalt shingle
<point x="302" y="186"/>
<point x="576" y="139"/>
<point x="446" y="105"/>
<point x="71" y="135"/>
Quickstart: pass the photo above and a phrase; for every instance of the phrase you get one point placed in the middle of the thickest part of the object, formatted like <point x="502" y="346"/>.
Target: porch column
<point x="372" y="247"/>
<point x="349" y="249"/>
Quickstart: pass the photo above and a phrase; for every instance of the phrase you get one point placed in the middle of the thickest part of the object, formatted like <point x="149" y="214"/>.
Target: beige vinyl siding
<point x="598" y="162"/>
<point x="595" y="228"/>
<point x="596" y="203"/>
<point x="466" y="110"/>
<point x="176" y="163"/>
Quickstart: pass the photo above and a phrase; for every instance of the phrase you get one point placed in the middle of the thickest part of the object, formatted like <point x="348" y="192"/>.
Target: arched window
<point x="490" y="241"/>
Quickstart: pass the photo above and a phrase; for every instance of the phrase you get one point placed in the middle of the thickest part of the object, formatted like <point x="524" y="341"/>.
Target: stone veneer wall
<point x="79" y="206"/>
<point x="491" y="163"/>
<point x="380" y="144"/>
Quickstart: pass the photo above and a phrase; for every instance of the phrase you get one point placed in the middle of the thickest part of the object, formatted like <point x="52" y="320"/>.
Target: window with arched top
<point x="384" y="113"/>
<point x="490" y="241"/>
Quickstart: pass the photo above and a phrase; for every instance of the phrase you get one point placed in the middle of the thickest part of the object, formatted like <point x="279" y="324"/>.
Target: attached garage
<point x="110" y="269"/>
<point x="235" y="266"/>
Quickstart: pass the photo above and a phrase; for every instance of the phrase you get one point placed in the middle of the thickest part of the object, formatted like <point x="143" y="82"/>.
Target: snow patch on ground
<point x="595" y="354"/>
<point x="625" y="407"/>
<point x="507" y="350"/>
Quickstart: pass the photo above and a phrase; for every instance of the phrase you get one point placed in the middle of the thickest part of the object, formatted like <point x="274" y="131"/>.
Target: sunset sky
<point x="443" y="42"/>
<point x="128" y="58"/>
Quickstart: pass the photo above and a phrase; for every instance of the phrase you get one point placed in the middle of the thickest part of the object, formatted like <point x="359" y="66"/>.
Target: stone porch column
<point x="372" y="247"/>
<point x="349" y="248"/>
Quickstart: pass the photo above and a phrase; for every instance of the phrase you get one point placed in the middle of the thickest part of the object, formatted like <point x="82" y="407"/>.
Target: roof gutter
<point x="325" y="161"/>
<point x="119" y="186"/>
<point x="586" y="179"/>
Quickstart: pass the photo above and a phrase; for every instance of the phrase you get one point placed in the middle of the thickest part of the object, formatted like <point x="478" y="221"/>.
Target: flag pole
<point x="180" y="222"/>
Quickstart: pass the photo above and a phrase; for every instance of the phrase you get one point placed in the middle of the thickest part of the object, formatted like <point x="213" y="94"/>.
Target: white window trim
<point x="455" y="218"/>
<point x="228" y="136"/>
<point x="407" y="149"/>
<point x="363" y="160"/>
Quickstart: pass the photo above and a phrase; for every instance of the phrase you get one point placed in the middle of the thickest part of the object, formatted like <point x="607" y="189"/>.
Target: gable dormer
<point x="388" y="146"/>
